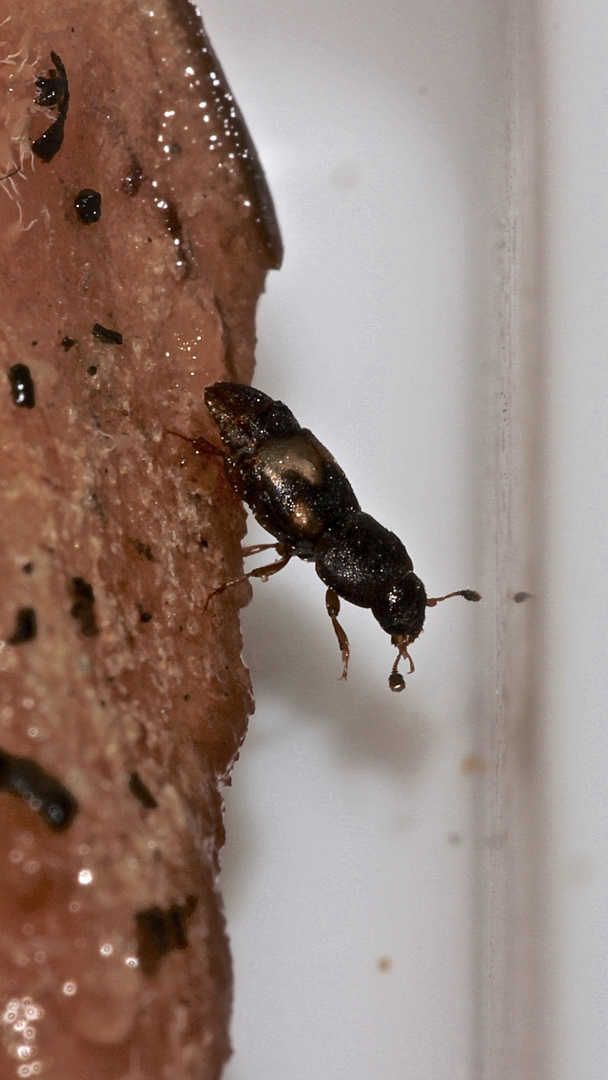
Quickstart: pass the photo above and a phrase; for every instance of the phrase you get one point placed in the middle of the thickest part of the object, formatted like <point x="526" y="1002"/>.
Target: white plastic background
<point x="414" y="151"/>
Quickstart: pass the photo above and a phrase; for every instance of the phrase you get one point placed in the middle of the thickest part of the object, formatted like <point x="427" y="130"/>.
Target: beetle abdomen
<point x="295" y="488"/>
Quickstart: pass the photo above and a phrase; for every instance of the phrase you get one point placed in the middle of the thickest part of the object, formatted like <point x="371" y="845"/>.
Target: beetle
<point x="297" y="492"/>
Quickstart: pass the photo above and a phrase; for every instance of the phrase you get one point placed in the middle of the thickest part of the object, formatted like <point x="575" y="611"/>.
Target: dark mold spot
<point x="50" y="142"/>
<point x="53" y="92"/>
<point x="109" y="337"/>
<point x="92" y="370"/>
<point x="132" y="181"/>
<point x="88" y="205"/>
<point x="67" y="343"/>
<point x="145" y="616"/>
<point x="83" y="608"/>
<point x="144" y="550"/>
<point x="174" y="227"/>
<point x="22" y="386"/>
<point x="26" y="627"/>
<point x="141" y="791"/>
<point x="50" y="89"/>
<point x="159" y="932"/>
<point x="28" y="568"/>
<point x="521" y="596"/>
<point x="23" y="777"/>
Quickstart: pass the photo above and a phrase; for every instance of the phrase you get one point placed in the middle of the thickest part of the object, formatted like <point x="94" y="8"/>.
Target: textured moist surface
<point x="119" y="700"/>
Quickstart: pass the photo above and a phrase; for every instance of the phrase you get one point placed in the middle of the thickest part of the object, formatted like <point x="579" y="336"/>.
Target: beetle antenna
<point x="469" y="594"/>
<point x="396" y="681"/>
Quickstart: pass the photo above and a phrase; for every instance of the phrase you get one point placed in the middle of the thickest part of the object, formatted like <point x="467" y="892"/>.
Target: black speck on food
<point x="144" y="550"/>
<point x="28" y="568"/>
<point x="22" y="386"/>
<point x="51" y="89"/>
<point x="53" y="92"/>
<point x="88" y="205"/>
<point x="26" y="627"/>
<point x="160" y="931"/>
<point x="141" y="791"/>
<point x="520" y="597"/>
<point x="145" y="616"/>
<point x="83" y="608"/>
<point x="48" y="796"/>
<point x="92" y="370"/>
<point x="175" y="228"/>
<point x="50" y="142"/>
<point x="132" y="181"/>
<point x="109" y="337"/>
<point x="67" y="343"/>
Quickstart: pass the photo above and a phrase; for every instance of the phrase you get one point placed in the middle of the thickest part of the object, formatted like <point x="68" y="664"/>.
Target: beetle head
<point x="402" y="609"/>
<point x="401" y="612"/>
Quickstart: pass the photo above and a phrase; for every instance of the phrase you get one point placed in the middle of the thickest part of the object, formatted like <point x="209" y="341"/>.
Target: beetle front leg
<point x="332" y="603"/>
<point x="254" y="549"/>
<point x="396" y="681"/>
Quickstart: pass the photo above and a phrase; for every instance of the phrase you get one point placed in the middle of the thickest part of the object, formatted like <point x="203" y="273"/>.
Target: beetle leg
<point x="200" y="443"/>
<point x="332" y="603"/>
<point x="396" y="681"/>
<point x="263" y="572"/>
<point x="254" y="549"/>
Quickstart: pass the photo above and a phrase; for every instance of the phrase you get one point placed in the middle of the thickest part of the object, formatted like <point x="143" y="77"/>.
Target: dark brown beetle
<point x="298" y="492"/>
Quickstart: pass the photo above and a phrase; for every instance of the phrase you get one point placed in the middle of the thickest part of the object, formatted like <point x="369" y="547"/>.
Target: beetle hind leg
<point x="332" y="603"/>
<point x="263" y="572"/>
